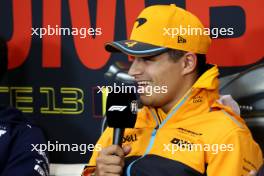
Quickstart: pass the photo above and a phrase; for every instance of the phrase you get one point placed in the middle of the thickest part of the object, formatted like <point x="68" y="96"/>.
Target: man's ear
<point x="189" y="63"/>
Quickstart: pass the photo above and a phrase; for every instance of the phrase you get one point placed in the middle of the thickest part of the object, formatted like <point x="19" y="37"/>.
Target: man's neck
<point x="187" y="85"/>
<point x="166" y="108"/>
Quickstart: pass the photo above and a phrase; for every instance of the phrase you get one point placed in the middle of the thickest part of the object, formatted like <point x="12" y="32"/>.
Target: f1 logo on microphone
<point x="117" y="108"/>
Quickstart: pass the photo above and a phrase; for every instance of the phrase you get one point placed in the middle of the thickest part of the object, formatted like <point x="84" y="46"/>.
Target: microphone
<point x="115" y="73"/>
<point x="118" y="73"/>
<point x="121" y="113"/>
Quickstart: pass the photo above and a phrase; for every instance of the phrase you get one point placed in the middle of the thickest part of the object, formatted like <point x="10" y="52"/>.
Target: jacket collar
<point x="197" y="100"/>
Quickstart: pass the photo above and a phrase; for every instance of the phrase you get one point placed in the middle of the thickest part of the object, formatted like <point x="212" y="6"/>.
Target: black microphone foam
<point x="121" y="110"/>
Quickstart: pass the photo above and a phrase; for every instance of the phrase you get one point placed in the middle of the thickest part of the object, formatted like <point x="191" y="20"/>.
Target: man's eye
<point x="149" y="60"/>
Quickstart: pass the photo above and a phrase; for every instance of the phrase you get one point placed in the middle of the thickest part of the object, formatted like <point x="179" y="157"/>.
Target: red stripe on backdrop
<point x="51" y="53"/>
<point x="20" y="42"/>
<point x="91" y="50"/>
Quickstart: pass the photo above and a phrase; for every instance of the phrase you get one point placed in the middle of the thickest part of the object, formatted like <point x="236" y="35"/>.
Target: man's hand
<point x="110" y="161"/>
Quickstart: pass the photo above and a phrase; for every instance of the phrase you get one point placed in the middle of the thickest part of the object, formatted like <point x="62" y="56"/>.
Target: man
<point x="17" y="138"/>
<point x="185" y="131"/>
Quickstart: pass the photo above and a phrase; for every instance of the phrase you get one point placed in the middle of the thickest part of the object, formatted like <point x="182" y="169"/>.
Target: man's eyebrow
<point x="148" y="57"/>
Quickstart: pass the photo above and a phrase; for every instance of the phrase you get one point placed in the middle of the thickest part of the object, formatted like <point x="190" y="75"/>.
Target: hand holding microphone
<point x="121" y="113"/>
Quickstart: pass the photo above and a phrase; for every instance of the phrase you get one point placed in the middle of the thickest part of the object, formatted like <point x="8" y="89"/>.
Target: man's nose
<point x="135" y="68"/>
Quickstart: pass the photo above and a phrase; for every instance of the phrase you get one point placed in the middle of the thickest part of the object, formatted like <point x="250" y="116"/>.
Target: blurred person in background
<point x="19" y="138"/>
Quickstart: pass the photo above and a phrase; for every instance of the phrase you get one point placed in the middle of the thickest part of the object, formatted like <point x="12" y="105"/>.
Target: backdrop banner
<point x="57" y="60"/>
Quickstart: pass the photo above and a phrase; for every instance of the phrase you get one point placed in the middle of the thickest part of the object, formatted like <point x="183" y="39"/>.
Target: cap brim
<point x="134" y="48"/>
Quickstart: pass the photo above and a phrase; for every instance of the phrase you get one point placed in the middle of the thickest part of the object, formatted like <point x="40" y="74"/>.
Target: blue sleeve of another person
<point x="17" y="153"/>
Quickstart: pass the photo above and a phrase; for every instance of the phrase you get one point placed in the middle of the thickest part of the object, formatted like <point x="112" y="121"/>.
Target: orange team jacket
<point x="197" y="137"/>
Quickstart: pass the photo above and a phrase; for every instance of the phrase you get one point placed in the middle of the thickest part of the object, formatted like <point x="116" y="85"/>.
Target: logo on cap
<point x="130" y="44"/>
<point x="141" y="21"/>
<point x="181" y="39"/>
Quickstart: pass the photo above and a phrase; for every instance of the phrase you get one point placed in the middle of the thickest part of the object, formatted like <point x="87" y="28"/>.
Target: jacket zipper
<point x="154" y="132"/>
